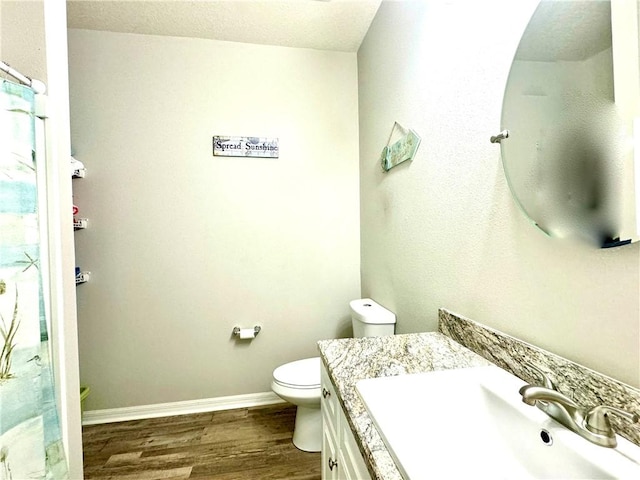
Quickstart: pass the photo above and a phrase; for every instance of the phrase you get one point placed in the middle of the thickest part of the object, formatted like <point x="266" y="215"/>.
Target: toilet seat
<point x="301" y="374"/>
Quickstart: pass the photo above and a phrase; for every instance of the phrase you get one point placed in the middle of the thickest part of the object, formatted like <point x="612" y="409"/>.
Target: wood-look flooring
<point x="247" y="443"/>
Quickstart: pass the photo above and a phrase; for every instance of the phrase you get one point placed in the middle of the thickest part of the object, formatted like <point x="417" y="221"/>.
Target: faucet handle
<point x="546" y="381"/>
<point x="597" y="419"/>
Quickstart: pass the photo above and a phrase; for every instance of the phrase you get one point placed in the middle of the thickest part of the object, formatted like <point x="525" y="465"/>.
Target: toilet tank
<point x="370" y="319"/>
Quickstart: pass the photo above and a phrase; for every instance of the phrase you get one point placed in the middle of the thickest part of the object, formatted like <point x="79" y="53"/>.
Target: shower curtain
<point x="30" y="444"/>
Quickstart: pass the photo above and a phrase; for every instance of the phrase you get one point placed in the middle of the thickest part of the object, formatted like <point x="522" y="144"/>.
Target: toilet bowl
<point x="298" y="382"/>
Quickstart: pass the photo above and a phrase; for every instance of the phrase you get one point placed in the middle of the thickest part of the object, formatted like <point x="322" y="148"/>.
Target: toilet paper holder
<point x="242" y="332"/>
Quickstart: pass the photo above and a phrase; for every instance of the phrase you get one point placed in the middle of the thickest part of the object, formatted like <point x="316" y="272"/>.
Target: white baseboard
<point x="110" y="415"/>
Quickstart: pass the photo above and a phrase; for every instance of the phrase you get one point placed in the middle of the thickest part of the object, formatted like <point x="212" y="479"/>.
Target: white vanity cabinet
<point x="341" y="458"/>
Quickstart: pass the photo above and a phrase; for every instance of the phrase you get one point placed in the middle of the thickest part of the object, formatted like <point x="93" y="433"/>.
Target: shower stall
<point x="40" y="419"/>
<point x="30" y="435"/>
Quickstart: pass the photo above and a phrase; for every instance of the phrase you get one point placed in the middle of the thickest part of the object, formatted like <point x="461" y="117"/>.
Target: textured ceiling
<point x="338" y="25"/>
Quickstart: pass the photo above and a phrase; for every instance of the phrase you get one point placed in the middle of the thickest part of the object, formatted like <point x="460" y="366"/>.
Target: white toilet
<point x="299" y="382"/>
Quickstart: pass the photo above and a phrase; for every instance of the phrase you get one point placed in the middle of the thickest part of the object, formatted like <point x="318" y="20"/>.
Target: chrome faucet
<point x="592" y="424"/>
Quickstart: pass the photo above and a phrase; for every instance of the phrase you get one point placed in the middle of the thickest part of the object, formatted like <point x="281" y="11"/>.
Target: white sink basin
<point x="471" y="423"/>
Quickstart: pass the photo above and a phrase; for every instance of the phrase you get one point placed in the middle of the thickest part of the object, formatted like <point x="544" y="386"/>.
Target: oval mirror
<point x="570" y="105"/>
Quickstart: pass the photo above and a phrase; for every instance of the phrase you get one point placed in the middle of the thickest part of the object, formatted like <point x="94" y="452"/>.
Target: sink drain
<point x="546" y="437"/>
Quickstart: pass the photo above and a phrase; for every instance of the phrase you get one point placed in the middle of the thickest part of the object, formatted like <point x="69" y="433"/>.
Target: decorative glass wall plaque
<point x="401" y="146"/>
<point x="245" y="147"/>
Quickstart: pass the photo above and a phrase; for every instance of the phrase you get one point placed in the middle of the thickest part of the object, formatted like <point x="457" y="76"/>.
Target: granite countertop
<point x="349" y="360"/>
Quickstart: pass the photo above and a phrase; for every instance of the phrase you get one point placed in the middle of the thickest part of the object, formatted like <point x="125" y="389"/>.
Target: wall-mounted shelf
<point x="77" y="168"/>
<point x="78" y="171"/>
<point x="82" y="277"/>
<point x="80" y="223"/>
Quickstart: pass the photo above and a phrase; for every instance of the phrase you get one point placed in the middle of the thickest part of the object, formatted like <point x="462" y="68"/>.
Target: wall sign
<point x="404" y="147"/>
<point x="245" y="147"/>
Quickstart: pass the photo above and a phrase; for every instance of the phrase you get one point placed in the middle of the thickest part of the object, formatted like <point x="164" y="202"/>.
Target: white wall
<point x="183" y="246"/>
<point x="443" y="230"/>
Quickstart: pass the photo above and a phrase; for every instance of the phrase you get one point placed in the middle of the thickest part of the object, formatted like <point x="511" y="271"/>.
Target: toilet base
<point x="307" y="433"/>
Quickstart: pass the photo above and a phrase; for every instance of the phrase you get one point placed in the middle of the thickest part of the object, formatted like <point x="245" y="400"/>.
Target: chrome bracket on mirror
<point x="501" y="136"/>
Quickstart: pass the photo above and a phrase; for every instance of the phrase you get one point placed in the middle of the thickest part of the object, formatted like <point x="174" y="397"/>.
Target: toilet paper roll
<point x="247" y="333"/>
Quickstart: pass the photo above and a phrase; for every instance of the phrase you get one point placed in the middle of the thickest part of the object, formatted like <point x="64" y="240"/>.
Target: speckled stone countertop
<point x="352" y="359"/>
<point x="585" y="386"/>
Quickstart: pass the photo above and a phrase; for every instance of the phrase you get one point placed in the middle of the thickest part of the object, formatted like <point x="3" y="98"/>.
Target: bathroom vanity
<point x="353" y="447"/>
<point x="341" y="457"/>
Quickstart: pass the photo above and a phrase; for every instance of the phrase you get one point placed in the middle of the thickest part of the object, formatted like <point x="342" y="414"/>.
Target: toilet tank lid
<point x="301" y="373"/>
<point x="368" y="311"/>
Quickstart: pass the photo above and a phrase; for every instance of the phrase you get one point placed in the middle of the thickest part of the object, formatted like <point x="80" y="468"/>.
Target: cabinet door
<point x="328" y="403"/>
<point x="341" y="458"/>
<point x="349" y="456"/>
<point x="329" y="449"/>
